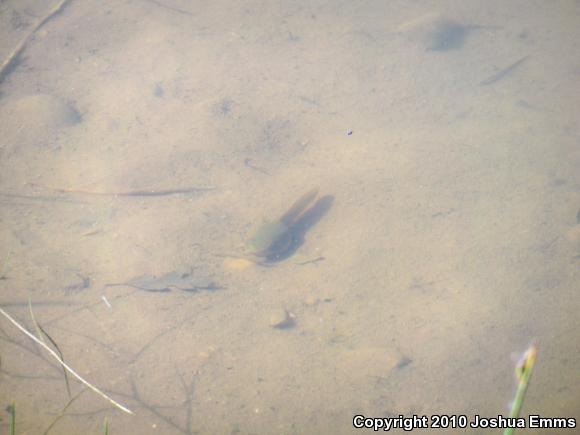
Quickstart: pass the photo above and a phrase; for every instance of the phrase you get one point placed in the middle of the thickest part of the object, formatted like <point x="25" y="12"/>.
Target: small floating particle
<point x="106" y="301"/>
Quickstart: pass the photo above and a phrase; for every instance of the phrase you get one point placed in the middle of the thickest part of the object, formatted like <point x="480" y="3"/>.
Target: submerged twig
<point x="504" y="72"/>
<point x="163" y="192"/>
<point x="71" y="371"/>
<point x="37" y="198"/>
<point x="171" y="8"/>
<point x="13" y="56"/>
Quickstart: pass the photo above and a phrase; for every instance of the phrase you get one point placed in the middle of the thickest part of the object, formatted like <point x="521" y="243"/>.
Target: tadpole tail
<point x="298" y="207"/>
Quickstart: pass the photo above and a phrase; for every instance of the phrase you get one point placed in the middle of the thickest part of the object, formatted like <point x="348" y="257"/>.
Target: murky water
<point x="144" y="142"/>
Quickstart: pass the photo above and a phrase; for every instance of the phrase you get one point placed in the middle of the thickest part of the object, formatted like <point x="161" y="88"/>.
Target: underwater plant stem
<point x="66" y="366"/>
<point x="13" y="418"/>
<point x="42" y="333"/>
<point x="523" y="373"/>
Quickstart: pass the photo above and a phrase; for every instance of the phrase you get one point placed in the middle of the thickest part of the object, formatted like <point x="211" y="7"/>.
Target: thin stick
<point x="164" y="192"/>
<point x="181" y="11"/>
<point x="71" y="371"/>
<point x="11" y="59"/>
<point x="504" y="72"/>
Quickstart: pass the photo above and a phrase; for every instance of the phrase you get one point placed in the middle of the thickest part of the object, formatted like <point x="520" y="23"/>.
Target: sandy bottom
<point x="450" y="242"/>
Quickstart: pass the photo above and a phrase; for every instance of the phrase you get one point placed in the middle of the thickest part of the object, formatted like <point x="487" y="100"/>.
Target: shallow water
<point x="452" y="242"/>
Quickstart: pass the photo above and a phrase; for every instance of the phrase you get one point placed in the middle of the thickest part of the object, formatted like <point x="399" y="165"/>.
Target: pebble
<point x="238" y="264"/>
<point x="280" y="318"/>
<point x="311" y="301"/>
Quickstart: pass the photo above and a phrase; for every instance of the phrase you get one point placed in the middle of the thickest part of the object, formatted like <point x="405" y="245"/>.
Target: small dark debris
<point x="559" y="182"/>
<point x="158" y="90"/>
<point x="223" y="107"/>
<point x="404" y="362"/>
<point x="83" y="284"/>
